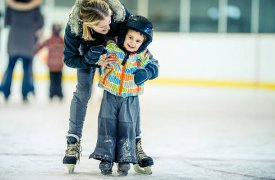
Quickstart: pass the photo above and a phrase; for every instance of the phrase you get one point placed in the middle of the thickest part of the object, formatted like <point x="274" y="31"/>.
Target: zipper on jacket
<point x="122" y="76"/>
<point x="125" y="59"/>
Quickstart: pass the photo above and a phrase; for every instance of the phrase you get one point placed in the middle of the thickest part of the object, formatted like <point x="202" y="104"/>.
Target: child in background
<point x="55" y="46"/>
<point x="122" y="82"/>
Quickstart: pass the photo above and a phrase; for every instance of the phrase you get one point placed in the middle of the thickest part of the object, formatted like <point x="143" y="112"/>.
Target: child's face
<point x="133" y="40"/>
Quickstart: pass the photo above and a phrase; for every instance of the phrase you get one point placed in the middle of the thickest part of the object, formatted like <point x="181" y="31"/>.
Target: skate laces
<point x="74" y="150"/>
<point x="141" y="154"/>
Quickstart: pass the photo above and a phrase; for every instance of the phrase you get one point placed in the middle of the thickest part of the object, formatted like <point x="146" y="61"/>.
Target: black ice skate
<point x="106" y="167"/>
<point x="123" y="168"/>
<point x="72" y="155"/>
<point x="144" y="162"/>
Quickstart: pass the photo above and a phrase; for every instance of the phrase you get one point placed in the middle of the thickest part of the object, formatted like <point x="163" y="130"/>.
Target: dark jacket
<point x="23" y="27"/>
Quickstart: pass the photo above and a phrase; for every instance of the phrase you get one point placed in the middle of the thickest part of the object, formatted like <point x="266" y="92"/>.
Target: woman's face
<point x="133" y="40"/>
<point x="102" y="26"/>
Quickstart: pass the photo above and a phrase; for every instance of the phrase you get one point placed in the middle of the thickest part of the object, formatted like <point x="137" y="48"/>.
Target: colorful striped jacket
<point x="118" y="78"/>
<point x="55" y="46"/>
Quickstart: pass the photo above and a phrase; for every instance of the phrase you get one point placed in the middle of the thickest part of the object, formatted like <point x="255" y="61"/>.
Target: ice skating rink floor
<point x="191" y="132"/>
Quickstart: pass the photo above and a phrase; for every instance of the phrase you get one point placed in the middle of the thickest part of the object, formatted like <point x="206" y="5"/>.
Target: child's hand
<point x="109" y="59"/>
<point x="142" y="75"/>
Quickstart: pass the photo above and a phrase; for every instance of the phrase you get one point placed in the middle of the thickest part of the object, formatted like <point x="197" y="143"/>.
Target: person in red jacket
<point x="55" y="46"/>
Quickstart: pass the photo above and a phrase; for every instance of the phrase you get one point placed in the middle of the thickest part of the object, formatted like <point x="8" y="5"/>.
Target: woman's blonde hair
<point x="93" y="11"/>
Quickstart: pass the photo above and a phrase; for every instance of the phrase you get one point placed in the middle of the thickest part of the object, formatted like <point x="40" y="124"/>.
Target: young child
<point x="55" y="46"/>
<point x="122" y="82"/>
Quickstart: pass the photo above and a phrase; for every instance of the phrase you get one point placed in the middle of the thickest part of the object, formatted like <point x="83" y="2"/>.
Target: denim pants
<point x="27" y="84"/>
<point x="116" y="137"/>
<point x="80" y="100"/>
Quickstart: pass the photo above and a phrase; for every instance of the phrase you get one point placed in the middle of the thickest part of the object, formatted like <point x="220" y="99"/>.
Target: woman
<point x="89" y="25"/>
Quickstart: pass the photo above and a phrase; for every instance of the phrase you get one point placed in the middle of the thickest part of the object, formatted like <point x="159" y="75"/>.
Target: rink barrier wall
<point x="71" y="78"/>
<point x="195" y="59"/>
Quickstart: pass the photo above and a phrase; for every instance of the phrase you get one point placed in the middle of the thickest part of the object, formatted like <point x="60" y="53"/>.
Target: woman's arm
<point x="72" y="57"/>
<point x="24" y="6"/>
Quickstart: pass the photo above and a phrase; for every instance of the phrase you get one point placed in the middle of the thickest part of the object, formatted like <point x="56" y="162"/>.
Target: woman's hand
<point x="93" y="55"/>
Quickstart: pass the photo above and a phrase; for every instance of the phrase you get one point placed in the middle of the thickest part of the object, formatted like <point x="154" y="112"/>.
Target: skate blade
<point x="121" y="173"/>
<point x="70" y="168"/>
<point x="143" y="170"/>
<point x="106" y="175"/>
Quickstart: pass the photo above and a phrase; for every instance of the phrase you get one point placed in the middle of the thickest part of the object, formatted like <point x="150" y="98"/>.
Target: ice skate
<point x="144" y="162"/>
<point x="72" y="155"/>
<point x="123" y="168"/>
<point x="106" y="167"/>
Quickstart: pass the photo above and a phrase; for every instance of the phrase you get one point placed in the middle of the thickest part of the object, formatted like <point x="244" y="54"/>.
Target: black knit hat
<point x="140" y="24"/>
<point x="56" y="28"/>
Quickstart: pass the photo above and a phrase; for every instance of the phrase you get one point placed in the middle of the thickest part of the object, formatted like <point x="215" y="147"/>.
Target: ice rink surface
<point x="191" y="132"/>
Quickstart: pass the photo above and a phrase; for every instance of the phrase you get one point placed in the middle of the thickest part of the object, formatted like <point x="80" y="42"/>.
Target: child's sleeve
<point x="150" y="64"/>
<point x="101" y="60"/>
<point x="153" y="60"/>
<point x="41" y="46"/>
<point x="145" y="59"/>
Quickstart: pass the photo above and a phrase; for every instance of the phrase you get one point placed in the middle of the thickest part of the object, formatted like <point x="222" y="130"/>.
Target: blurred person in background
<point x="0" y="27"/>
<point x="55" y="47"/>
<point x="90" y="23"/>
<point x="24" y="19"/>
